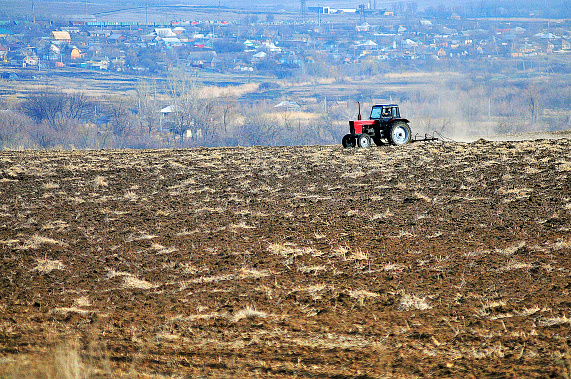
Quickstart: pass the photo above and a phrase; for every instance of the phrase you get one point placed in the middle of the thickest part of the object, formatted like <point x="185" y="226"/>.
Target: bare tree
<point x="146" y="103"/>
<point x="227" y="106"/>
<point x="45" y="106"/>
<point x="191" y="108"/>
<point x="533" y="101"/>
<point x="78" y="107"/>
<point x="56" y="109"/>
<point x="118" y="117"/>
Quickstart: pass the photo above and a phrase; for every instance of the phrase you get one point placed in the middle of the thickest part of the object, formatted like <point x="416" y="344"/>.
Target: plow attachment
<point x="425" y="138"/>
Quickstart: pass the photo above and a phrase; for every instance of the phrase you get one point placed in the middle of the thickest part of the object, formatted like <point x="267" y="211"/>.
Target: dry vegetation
<point x="429" y="260"/>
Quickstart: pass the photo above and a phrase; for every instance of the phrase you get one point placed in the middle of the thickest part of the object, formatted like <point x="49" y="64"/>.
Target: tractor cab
<point x="384" y="112"/>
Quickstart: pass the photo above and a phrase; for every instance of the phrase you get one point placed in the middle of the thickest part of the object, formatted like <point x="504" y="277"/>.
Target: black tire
<point x="348" y="141"/>
<point x="364" y="140"/>
<point x="399" y="133"/>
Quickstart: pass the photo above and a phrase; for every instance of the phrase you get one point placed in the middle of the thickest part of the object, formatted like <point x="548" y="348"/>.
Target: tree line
<point x="196" y="115"/>
<point x="178" y="112"/>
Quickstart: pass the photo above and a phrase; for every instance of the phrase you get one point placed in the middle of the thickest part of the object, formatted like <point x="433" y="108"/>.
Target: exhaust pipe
<point x="359" y="115"/>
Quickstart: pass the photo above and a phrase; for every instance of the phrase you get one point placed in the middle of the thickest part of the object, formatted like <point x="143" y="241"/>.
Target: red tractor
<point x="385" y="125"/>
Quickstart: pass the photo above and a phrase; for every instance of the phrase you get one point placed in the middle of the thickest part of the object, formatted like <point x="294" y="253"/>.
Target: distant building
<point x="165" y="32"/>
<point x="289" y="105"/>
<point x="62" y="36"/>
<point x="75" y="53"/>
<point x="30" y="60"/>
<point x="322" y="10"/>
<point x="5" y="33"/>
<point x="3" y="54"/>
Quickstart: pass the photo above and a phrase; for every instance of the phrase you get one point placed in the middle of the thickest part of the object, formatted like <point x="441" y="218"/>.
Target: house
<point x="116" y="38"/>
<point x="250" y="45"/>
<point x="289" y="105"/>
<point x="301" y="37"/>
<point x="100" y="65"/>
<point x="5" y="33"/>
<point x="410" y="43"/>
<point x="172" y="41"/>
<point x="30" y="60"/>
<point x="168" y="110"/>
<point x="70" y="29"/>
<point x="259" y="56"/>
<point x="3" y="54"/>
<point x="164" y="32"/>
<point x="271" y="47"/>
<point x="243" y="67"/>
<point x="75" y="53"/>
<point x="53" y="53"/>
<point x="560" y="44"/>
<point x="62" y="36"/>
<point x="369" y="45"/>
<point x="99" y="33"/>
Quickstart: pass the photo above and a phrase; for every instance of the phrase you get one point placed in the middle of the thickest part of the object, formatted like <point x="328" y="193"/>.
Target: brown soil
<point x="428" y="260"/>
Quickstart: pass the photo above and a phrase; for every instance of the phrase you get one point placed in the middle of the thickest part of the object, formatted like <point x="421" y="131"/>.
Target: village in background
<point x="86" y="75"/>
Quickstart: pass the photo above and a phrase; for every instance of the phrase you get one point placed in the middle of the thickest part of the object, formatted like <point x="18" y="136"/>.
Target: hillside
<point x="428" y="260"/>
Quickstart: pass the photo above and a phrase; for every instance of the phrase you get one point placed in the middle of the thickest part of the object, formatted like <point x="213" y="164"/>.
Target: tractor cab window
<point x="379" y="112"/>
<point x="375" y="113"/>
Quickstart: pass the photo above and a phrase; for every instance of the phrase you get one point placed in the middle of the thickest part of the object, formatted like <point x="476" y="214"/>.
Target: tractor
<point x="385" y="125"/>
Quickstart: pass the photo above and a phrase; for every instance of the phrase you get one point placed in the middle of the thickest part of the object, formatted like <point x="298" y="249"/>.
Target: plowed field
<point x="428" y="260"/>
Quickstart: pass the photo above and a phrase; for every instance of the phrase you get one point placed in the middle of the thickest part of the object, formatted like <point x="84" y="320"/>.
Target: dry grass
<point x="100" y="182"/>
<point x="290" y="250"/>
<point x="247" y="312"/>
<point x="510" y="250"/>
<point x="131" y="281"/>
<point x="45" y="266"/>
<point x="411" y="301"/>
<point x="50" y="185"/>
<point x="35" y="241"/>
<point x="64" y="361"/>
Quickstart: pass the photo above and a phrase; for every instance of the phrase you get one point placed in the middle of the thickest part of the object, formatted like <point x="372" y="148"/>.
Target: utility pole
<point x="362" y="13"/>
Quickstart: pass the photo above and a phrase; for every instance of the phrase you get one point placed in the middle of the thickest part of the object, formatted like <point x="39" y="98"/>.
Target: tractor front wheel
<point x="364" y="140"/>
<point x="399" y="133"/>
<point x="348" y="141"/>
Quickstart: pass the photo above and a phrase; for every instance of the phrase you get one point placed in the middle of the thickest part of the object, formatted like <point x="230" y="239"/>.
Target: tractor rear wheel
<point x="364" y="140"/>
<point x="399" y="133"/>
<point x="348" y="141"/>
